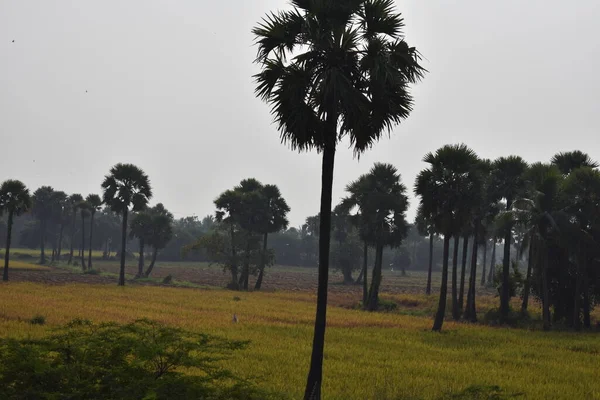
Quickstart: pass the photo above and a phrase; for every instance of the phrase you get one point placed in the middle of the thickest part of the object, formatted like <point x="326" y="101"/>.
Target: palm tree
<point x="43" y="208"/>
<point x="72" y="203"/>
<point x="571" y="160"/>
<point x="84" y="211"/>
<point x="15" y="200"/>
<point x="443" y="192"/>
<point x="358" y="192"/>
<point x="331" y="69"/>
<point x="95" y="203"/>
<point x="59" y="218"/>
<point x="161" y="232"/>
<point x="274" y="220"/>
<point x="126" y="186"/>
<point x="425" y="227"/>
<point x="508" y="184"/>
<point x="141" y="228"/>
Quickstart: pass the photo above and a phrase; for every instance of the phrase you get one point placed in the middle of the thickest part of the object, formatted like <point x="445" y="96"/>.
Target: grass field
<point x="25" y="266"/>
<point x="368" y="355"/>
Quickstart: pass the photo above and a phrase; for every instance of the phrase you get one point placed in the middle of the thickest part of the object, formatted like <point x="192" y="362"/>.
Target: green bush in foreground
<point x="140" y="360"/>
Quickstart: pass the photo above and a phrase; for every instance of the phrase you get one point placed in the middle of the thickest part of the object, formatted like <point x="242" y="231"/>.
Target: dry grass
<point x="368" y="355"/>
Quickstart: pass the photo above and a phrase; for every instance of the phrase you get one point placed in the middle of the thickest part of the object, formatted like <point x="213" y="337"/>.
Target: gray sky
<point x="169" y="88"/>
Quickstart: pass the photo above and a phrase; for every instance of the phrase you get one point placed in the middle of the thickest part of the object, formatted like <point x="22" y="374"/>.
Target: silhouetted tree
<point x="126" y="186"/>
<point x="161" y="232"/>
<point x="43" y="208"/>
<point x="72" y="203"/>
<point x="14" y="200"/>
<point x="94" y="203"/>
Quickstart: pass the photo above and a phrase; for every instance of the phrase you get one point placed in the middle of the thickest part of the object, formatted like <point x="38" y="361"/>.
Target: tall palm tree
<point x="508" y="184"/>
<point x="274" y="219"/>
<point x="384" y="201"/>
<point x="95" y="203"/>
<point x="84" y="212"/>
<point x="43" y="208"/>
<point x="72" y="203"/>
<point x="15" y="200"/>
<point x="126" y="186"/>
<point x="443" y="191"/>
<point x="329" y="69"/>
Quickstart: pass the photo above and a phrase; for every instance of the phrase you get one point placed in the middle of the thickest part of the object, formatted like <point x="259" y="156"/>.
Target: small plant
<point x="76" y="263"/>
<point x="236" y="298"/>
<point x="167" y="280"/>
<point x="516" y="280"/>
<point x="38" y="320"/>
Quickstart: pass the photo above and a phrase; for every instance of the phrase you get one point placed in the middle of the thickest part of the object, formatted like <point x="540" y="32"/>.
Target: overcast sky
<point x="167" y="85"/>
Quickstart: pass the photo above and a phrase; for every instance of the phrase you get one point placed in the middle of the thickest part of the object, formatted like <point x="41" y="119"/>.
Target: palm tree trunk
<point x="365" y="275"/>
<point x="441" y="311"/>
<point x="359" y="279"/>
<point x="470" y="309"/>
<point x="485" y="249"/>
<point x="8" y="239"/>
<point x="259" y="280"/>
<point x="505" y="293"/>
<point x="373" y="300"/>
<point x="82" y="252"/>
<point x="527" y="286"/>
<point x="587" y="323"/>
<point x="141" y="259"/>
<point x="315" y="375"/>
<point x="461" y="292"/>
<point x="234" y="272"/>
<point x="152" y="262"/>
<point x="60" y="239"/>
<point x="73" y="220"/>
<point x="493" y="263"/>
<point x="545" y="290"/>
<point x="429" y="270"/>
<point x="455" y="311"/>
<point x="577" y="294"/>
<point x="123" y="248"/>
<point x="43" y="241"/>
<point x="90" y="247"/>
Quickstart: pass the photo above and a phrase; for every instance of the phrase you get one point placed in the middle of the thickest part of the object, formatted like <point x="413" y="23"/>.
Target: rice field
<point x="368" y="355"/>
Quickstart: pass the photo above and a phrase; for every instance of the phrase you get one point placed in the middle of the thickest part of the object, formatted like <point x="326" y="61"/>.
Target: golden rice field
<point x="24" y="266"/>
<point x="368" y="355"/>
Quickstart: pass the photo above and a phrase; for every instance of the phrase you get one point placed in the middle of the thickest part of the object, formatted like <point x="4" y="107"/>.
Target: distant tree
<point x="425" y="226"/>
<point x="274" y="219"/>
<point x="43" y="208"/>
<point x="331" y="69"/>
<point x="508" y="184"/>
<point x="84" y="212"/>
<point x="14" y="200"/>
<point x="141" y="228"/>
<point x="161" y="232"/>
<point x="347" y="249"/>
<point x="72" y="204"/>
<point x="58" y="218"/>
<point x="95" y="203"/>
<point x="228" y="204"/>
<point x="126" y="186"/>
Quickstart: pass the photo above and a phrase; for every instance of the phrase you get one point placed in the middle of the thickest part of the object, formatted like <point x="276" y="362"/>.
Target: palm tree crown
<point x="331" y="58"/>
<point x="14" y="197"/>
<point x="125" y="186"/>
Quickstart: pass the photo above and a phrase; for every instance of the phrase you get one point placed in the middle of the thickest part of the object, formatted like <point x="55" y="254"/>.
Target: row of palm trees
<point x="551" y="210"/>
<point x="126" y="188"/>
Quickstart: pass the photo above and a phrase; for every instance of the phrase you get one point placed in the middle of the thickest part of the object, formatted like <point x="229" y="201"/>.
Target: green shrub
<point x="143" y="359"/>
<point x="168" y="280"/>
<point x="236" y="298"/>
<point x="516" y="280"/>
<point x="38" y="320"/>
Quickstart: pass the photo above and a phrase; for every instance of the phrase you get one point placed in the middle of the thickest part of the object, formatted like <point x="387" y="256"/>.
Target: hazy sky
<point x="169" y="88"/>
